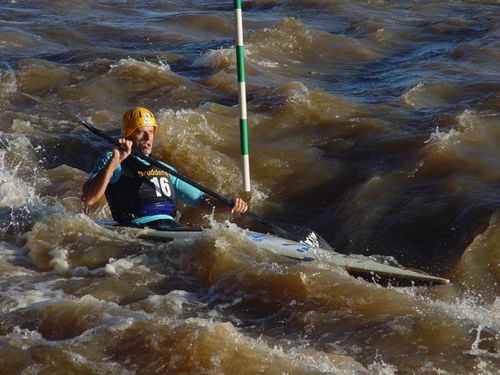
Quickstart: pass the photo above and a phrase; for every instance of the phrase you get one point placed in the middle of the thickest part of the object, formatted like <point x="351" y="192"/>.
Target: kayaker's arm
<point x="208" y="203"/>
<point x="94" y="188"/>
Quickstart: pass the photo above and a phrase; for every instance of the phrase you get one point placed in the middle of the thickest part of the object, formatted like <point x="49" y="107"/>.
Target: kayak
<point x="358" y="265"/>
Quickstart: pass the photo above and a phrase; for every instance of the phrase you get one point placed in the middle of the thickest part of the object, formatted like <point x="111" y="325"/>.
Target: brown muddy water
<point x="377" y="123"/>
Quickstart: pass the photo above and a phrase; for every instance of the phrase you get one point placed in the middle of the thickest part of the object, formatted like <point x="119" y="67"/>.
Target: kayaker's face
<point x="143" y="139"/>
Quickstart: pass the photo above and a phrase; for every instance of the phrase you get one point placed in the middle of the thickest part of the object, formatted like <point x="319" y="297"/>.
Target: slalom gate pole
<point x="240" y="62"/>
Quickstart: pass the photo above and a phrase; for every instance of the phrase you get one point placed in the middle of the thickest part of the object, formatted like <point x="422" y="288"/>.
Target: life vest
<point x="142" y="190"/>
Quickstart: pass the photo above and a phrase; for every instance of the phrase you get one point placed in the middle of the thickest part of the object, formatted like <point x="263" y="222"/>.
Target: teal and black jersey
<point x="139" y="193"/>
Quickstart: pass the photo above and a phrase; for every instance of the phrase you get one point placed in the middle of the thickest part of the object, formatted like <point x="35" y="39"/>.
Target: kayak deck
<point x="358" y="265"/>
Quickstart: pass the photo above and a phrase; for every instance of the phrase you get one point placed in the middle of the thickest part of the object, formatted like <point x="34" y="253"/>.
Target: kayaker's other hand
<point x="239" y="207"/>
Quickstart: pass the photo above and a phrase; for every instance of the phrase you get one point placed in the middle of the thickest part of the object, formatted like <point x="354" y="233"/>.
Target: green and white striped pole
<point x="242" y="96"/>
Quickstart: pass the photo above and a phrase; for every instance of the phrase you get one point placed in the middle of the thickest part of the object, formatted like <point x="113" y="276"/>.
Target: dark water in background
<point x="374" y="122"/>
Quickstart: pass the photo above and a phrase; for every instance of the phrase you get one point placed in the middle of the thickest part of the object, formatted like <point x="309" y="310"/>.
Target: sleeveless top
<point x="141" y="190"/>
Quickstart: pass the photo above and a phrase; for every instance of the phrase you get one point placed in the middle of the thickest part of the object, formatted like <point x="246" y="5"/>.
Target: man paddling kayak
<point x="138" y="193"/>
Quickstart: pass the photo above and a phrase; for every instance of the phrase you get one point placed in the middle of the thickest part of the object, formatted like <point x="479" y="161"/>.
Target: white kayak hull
<point x="357" y="264"/>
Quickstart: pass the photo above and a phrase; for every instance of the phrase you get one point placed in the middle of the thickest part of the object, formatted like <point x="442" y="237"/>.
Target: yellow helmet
<point x="135" y="118"/>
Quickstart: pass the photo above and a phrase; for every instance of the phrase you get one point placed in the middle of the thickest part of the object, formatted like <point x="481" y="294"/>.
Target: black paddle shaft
<point x="289" y="231"/>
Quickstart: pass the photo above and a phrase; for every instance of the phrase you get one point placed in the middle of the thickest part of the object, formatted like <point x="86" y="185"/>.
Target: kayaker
<point x="138" y="193"/>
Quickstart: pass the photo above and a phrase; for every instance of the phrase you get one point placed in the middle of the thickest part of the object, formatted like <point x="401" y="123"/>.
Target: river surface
<point x="376" y="123"/>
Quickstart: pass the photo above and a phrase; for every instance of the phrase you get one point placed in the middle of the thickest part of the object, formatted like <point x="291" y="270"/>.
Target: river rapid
<point x="376" y="123"/>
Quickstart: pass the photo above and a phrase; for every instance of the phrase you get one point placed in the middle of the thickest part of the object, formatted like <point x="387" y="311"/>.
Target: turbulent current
<point x="376" y="123"/>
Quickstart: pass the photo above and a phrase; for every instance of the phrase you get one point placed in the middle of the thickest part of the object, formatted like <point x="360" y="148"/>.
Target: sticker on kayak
<point x="298" y="249"/>
<point x="257" y="237"/>
<point x="261" y="237"/>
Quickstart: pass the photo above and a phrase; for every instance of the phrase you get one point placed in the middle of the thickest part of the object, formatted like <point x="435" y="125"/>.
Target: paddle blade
<point x="299" y="234"/>
<point x="293" y="232"/>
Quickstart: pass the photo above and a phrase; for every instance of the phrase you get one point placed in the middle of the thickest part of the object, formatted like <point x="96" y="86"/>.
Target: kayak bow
<point x="357" y="265"/>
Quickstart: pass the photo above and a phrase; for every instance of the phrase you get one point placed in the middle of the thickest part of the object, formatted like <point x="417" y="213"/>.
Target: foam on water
<point x="116" y="267"/>
<point x="59" y="259"/>
<point x="190" y="124"/>
<point x="20" y="294"/>
<point x="176" y="302"/>
<point x="482" y="319"/>
<point x="8" y="83"/>
<point x="19" y="179"/>
<point x="215" y="59"/>
<point x="14" y="191"/>
<point x="129" y="62"/>
<point x="444" y="138"/>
